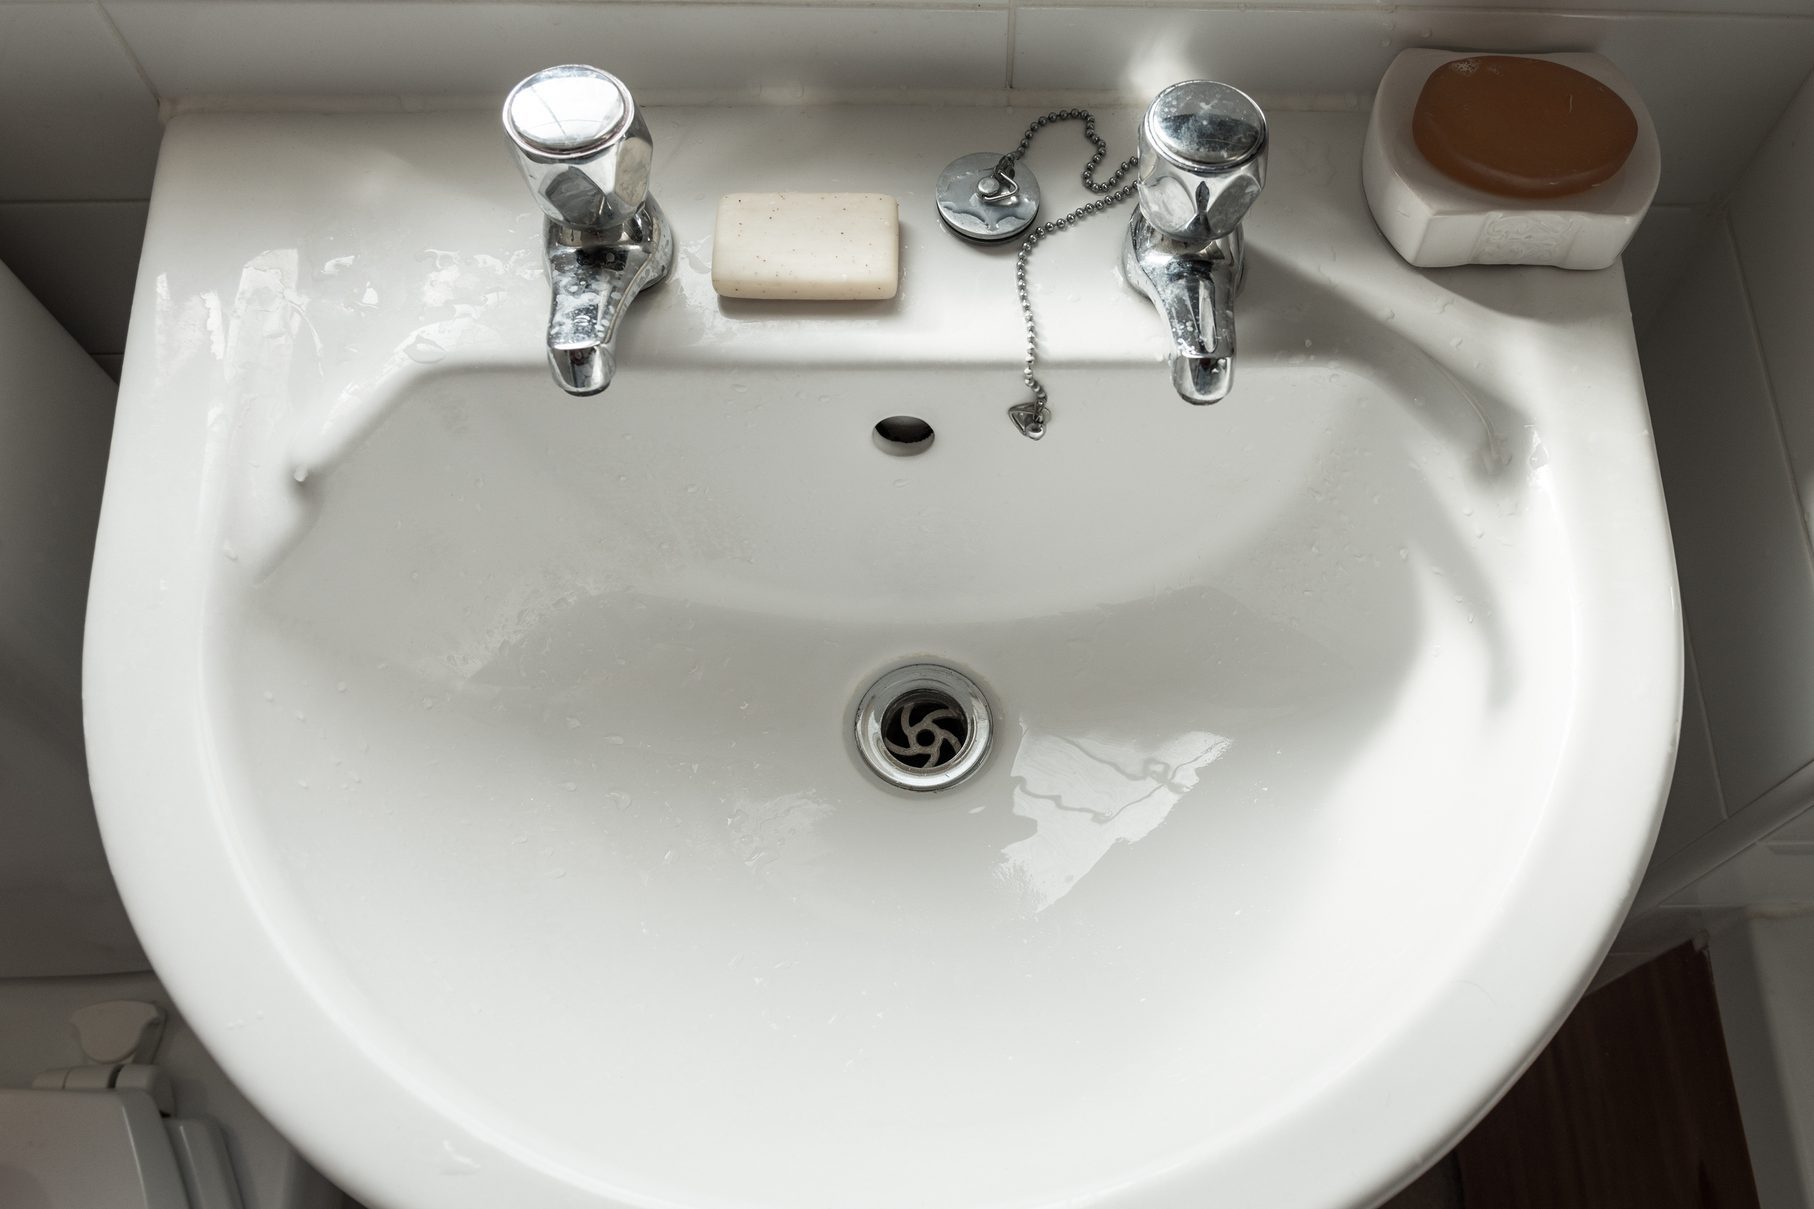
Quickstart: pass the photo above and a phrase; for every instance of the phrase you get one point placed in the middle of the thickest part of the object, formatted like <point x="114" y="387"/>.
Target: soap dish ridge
<point x="1436" y="222"/>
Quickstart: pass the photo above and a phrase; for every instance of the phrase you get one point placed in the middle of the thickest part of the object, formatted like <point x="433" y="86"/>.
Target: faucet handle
<point x="582" y="146"/>
<point x="1202" y="153"/>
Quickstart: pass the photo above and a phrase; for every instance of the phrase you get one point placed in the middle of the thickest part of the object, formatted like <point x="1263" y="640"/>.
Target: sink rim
<point x="149" y="646"/>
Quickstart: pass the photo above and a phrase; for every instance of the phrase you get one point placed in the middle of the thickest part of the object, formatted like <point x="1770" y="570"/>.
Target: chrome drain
<point x="923" y="727"/>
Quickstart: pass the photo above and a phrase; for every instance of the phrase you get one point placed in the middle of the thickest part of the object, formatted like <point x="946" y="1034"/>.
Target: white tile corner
<point x="76" y="118"/>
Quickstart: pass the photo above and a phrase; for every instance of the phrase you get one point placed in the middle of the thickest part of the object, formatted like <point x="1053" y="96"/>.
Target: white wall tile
<point x="1658" y="256"/>
<point x="1773" y="872"/>
<point x="76" y="120"/>
<point x="387" y="47"/>
<point x="1741" y="551"/>
<point x="1694" y="807"/>
<point x="1763" y="972"/>
<point x="1713" y="84"/>
<point x="80" y="259"/>
<point x="1775" y="235"/>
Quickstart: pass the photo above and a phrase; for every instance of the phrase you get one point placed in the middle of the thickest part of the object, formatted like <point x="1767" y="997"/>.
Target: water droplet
<point x="453" y="1162"/>
<point x="424" y="351"/>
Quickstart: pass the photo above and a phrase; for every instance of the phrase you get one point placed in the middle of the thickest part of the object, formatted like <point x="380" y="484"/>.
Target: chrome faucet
<point x="585" y="151"/>
<point x="1202" y="162"/>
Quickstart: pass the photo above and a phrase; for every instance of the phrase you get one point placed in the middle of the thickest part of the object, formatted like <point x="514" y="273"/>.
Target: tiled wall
<point x="1729" y="368"/>
<point x="78" y="140"/>
<point x="80" y="79"/>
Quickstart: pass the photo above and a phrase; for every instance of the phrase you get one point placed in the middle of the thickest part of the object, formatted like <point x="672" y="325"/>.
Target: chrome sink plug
<point x="585" y="151"/>
<point x="1202" y="162"/>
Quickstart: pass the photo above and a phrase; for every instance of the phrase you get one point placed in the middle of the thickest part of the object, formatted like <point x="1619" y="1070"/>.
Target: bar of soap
<point x="1522" y="127"/>
<point x="816" y="246"/>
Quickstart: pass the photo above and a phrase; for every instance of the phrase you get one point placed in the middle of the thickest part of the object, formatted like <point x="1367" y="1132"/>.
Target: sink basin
<point x="477" y="761"/>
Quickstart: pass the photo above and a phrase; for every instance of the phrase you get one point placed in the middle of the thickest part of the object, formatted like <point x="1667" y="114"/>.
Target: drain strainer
<point x="923" y="727"/>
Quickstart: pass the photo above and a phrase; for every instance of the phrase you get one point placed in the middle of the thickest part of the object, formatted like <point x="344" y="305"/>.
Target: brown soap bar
<point x="1522" y="127"/>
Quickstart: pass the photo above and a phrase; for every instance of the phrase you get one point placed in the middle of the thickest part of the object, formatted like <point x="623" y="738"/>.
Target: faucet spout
<point x="1193" y="287"/>
<point x="595" y="276"/>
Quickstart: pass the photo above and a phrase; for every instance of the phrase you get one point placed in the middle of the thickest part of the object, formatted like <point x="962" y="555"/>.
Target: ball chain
<point x="1114" y="194"/>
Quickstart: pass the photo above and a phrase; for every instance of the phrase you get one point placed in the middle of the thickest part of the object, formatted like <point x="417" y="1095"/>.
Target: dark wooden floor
<point x="1630" y="1107"/>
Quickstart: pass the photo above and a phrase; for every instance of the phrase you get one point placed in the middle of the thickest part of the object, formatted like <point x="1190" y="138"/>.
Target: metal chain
<point x="1089" y="132"/>
<point x="1115" y="193"/>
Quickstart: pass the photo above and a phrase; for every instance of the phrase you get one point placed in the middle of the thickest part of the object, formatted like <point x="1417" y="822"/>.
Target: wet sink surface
<point x="1330" y="723"/>
<point x="586" y="720"/>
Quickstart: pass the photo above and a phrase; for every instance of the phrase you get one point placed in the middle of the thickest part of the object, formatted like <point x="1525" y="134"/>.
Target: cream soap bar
<point x="807" y="246"/>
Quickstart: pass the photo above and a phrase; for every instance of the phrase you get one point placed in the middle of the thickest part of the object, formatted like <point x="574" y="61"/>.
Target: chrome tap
<point x="1202" y="162"/>
<point x="585" y="151"/>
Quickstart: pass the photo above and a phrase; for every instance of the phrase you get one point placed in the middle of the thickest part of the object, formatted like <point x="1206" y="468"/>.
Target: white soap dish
<point x="1435" y="221"/>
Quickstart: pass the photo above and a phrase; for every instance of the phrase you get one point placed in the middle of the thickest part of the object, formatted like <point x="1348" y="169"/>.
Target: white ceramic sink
<point x="476" y="760"/>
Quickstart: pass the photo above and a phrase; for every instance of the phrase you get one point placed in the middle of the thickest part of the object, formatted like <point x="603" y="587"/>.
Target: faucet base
<point x="595" y="278"/>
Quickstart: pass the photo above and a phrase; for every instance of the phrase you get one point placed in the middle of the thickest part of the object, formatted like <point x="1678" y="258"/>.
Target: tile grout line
<point x="1770" y="391"/>
<point x="1705" y="740"/>
<point x="1013" y="34"/>
<point x="119" y="40"/>
<point x="73" y="201"/>
<point x="1499" y="9"/>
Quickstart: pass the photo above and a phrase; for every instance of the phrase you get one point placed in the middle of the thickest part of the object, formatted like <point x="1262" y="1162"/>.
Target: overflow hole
<point x="903" y="436"/>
